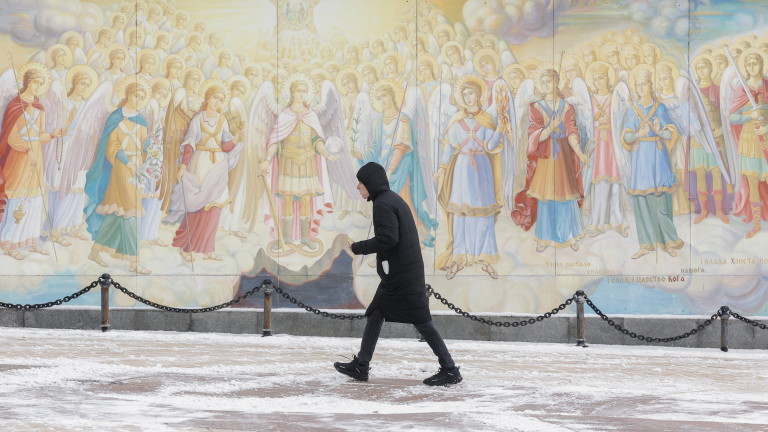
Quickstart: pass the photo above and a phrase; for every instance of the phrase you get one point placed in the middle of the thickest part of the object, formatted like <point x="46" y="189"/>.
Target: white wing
<point x="329" y="111"/>
<point x="415" y="107"/>
<point x="728" y="85"/>
<point x="620" y="103"/>
<point x="55" y="104"/>
<point x="363" y="119"/>
<point x="507" y="58"/>
<point x="262" y="115"/>
<point x="582" y="104"/>
<point x="88" y="41"/>
<point x="526" y="94"/>
<point x="501" y="95"/>
<point x="86" y="135"/>
<point x="38" y="56"/>
<point x="699" y="126"/>
<point x="441" y="110"/>
<point x="8" y="89"/>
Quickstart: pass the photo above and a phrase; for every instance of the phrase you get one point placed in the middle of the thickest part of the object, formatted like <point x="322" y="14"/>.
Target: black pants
<point x="427" y="330"/>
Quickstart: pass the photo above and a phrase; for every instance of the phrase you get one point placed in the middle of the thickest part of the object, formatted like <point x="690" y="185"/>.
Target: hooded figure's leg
<point x="370" y="337"/>
<point x="432" y="336"/>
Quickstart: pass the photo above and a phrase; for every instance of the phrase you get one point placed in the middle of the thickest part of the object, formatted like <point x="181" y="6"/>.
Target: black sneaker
<point x="353" y="369"/>
<point x="444" y="376"/>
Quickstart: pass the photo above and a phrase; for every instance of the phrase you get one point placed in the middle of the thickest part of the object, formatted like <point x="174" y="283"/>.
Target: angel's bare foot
<point x="135" y="268"/>
<point x="38" y="249"/>
<point x="640" y="253"/>
<point x="58" y="238"/>
<point x="186" y="255"/>
<point x="212" y="256"/>
<point x="15" y="254"/>
<point x="239" y="234"/>
<point x="343" y="214"/>
<point x="96" y="257"/>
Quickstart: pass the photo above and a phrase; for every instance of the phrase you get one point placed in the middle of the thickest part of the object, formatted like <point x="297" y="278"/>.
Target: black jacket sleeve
<point x="385" y="230"/>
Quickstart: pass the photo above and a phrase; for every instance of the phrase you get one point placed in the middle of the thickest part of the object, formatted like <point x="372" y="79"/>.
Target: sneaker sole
<point x="345" y="373"/>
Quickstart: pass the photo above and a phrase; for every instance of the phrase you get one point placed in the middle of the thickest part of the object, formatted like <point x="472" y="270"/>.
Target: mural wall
<point x="190" y="148"/>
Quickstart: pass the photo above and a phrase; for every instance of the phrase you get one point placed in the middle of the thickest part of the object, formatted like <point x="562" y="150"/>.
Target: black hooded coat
<point x="401" y="295"/>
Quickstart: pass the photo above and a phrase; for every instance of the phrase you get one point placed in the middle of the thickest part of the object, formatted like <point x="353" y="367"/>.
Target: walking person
<point x="401" y="295"/>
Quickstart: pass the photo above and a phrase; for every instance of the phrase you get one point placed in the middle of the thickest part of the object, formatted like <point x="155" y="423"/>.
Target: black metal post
<point x="724" y="329"/>
<point x="105" y="281"/>
<point x="580" y="341"/>
<point x="267" y="288"/>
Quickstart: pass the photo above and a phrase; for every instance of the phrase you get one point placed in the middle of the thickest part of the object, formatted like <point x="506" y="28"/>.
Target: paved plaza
<point x="73" y="380"/>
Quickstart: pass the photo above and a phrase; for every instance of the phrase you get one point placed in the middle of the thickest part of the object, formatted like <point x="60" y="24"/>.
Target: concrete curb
<point x="557" y="329"/>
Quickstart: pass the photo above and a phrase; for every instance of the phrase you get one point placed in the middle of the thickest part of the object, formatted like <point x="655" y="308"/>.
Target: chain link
<point x="747" y="320"/>
<point x="522" y="323"/>
<point x="325" y="314"/>
<point x="141" y="299"/>
<point x="720" y="312"/>
<point x="51" y="303"/>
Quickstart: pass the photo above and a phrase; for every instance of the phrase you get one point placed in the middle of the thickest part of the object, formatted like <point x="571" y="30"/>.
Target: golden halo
<point x="86" y="69"/>
<point x="177" y="57"/>
<point x="197" y="71"/>
<point x="340" y="77"/>
<point x="217" y="55"/>
<point x="254" y="66"/>
<point x="241" y="79"/>
<point x="638" y="69"/>
<point x="491" y="39"/>
<point x="320" y="73"/>
<point x="151" y="52"/>
<point x="475" y="37"/>
<point x="531" y="64"/>
<point x="444" y="51"/>
<point x="486" y="52"/>
<point x="569" y="60"/>
<point x="370" y="65"/>
<point x="672" y="67"/>
<point x="473" y="78"/>
<point x="398" y="58"/>
<point x="589" y="75"/>
<point x="40" y="67"/>
<point x="544" y="66"/>
<point x="67" y="55"/>
<point x="745" y="42"/>
<point x="398" y="89"/>
<point x="131" y="31"/>
<point x="114" y="15"/>
<point x="142" y="82"/>
<point x="65" y="37"/>
<point x="743" y="58"/>
<point x="114" y="47"/>
<point x="214" y="82"/>
<point x="285" y="87"/>
<point x="445" y="27"/>
<point x="712" y="63"/>
<point x="162" y="33"/>
<point x="427" y="58"/>
<point x="656" y="50"/>
<point x="624" y="51"/>
<point x="513" y="67"/>
<point x="190" y="36"/>
<point x="164" y="82"/>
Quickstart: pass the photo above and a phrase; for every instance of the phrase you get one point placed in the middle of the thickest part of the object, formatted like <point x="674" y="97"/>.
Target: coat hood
<point x="374" y="178"/>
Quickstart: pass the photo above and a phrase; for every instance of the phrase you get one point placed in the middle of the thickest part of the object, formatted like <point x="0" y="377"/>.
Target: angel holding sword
<point x="302" y="142"/>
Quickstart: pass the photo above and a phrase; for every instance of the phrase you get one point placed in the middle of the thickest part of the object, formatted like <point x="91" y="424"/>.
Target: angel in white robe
<point x="237" y="116"/>
<point x="74" y="41"/>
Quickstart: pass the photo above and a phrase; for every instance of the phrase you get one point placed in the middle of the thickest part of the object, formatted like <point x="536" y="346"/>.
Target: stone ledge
<point x="557" y="329"/>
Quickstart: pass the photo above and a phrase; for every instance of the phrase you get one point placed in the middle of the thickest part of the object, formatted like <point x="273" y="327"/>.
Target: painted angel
<point x="395" y="134"/>
<point x="686" y="109"/>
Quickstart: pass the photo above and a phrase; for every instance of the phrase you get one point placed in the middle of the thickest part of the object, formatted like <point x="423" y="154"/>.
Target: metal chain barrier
<point x="522" y="323"/>
<point x="325" y="314"/>
<point x="720" y="312"/>
<point x="141" y="299"/>
<point x="747" y="320"/>
<point x="51" y="303"/>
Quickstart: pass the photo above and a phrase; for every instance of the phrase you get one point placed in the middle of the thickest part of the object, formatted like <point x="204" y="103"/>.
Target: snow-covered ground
<point x="67" y="380"/>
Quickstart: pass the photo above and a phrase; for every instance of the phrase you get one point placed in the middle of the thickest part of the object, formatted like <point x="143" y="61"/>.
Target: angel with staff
<point x="21" y="159"/>
<point x="470" y="182"/>
<point x="553" y="184"/>
<point x="302" y="142"/>
<point x="114" y="202"/>
<point x="203" y="177"/>
<point x="643" y="134"/>
<point x="745" y="105"/>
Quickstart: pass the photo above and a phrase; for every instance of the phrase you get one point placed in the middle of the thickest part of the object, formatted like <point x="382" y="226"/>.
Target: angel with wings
<point x="395" y="134"/>
<point x="715" y="196"/>
<point x="553" y="182"/>
<point x="673" y="91"/>
<point x="602" y="182"/>
<point x="743" y="104"/>
<point x="470" y="182"/>
<point x="65" y="208"/>
<point x="301" y="144"/>
<point x="643" y="132"/>
<point x="22" y="137"/>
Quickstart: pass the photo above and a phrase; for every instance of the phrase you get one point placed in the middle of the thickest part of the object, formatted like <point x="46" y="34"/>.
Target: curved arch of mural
<point x="544" y="147"/>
